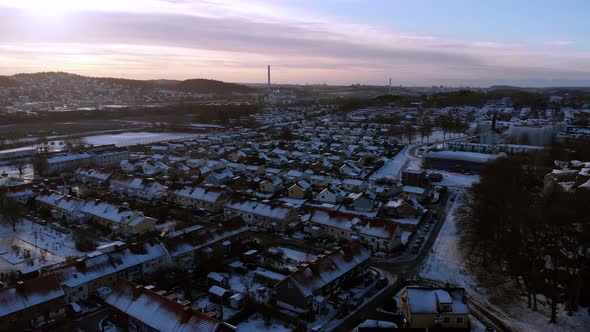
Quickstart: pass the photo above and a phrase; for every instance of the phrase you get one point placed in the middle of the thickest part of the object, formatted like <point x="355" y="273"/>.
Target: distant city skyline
<point x="417" y="43"/>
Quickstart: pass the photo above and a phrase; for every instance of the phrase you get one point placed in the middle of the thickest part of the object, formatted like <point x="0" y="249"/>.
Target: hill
<point x="61" y="79"/>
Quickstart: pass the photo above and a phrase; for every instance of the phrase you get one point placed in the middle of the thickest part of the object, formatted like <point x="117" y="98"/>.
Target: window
<point x="459" y="320"/>
<point x="290" y="284"/>
<point x="446" y="320"/>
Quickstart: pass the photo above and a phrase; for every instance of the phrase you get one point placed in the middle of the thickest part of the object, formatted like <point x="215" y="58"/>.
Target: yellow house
<point x="425" y="307"/>
<point x="301" y="189"/>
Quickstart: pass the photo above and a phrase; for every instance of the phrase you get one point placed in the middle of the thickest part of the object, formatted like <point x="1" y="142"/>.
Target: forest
<point x="540" y="239"/>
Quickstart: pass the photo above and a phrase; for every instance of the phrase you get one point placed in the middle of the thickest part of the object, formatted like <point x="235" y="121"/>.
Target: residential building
<point x="428" y="308"/>
<point x="307" y="289"/>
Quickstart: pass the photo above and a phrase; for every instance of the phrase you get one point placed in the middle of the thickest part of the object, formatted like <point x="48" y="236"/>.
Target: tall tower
<point x="389" y="86"/>
<point x="269" y="80"/>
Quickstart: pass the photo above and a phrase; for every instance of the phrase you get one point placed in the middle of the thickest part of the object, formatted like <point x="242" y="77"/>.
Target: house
<point x="64" y="162"/>
<point x="301" y="189"/>
<point x="331" y="195"/>
<point x="363" y="201"/>
<point x="121" y="220"/>
<point x="130" y="166"/>
<point x="86" y="275"/>
<point x="378" y="235"/>
<point x="92" y="176"/>
<point x="237" y="301"/>
<point x="68" y="209"/>
<point x="198" y="197"/>
<point x="419" y="193"/>
<point x="354" y="185"/>
<point x="403" y="208"/>
<point x="197" y="247"/>
<point x="271" y="185"/>
<point x="218" y="294"/>
<point x="306" y="289"/>
<point x="217" y="279"/>
<point x="415" y="178"/>
<point x="127" y="185"/>
<point x="137" y="308"/>
<point x="427" y="308"/>
<point x="276" y="217"/>
<point x="219" y="178"/>
<point x="21" y="193"/>
<point x="31" y="303"/>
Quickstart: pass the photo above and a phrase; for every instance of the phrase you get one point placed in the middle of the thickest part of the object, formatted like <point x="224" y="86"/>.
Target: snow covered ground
<point x="294" y="255"/>
<point x="256" y="323"/>
<point x="132" y="138"/>
<point x="448" y="263"/>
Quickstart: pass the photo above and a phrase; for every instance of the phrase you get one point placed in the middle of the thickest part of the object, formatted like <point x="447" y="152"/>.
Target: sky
<point x="416" y="43"/>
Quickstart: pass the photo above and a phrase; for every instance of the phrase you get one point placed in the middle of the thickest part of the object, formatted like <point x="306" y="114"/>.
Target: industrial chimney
<point x="269" y="80"/>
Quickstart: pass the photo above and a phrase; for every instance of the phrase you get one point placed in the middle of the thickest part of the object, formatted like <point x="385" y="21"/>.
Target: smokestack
<point x="269" y="80"/>
<point x="390" y="85"/>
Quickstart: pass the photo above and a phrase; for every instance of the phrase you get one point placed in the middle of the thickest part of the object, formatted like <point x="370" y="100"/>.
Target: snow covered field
<point x="132" y="138"/>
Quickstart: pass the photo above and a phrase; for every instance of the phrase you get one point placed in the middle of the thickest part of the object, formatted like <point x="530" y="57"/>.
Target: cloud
<point x="559" y="43"/>
<point x="235" y="43"/>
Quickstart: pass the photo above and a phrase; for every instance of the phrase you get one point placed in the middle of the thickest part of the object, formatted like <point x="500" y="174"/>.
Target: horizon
<point x="306" y="84"/>
<point x="337" y="42"/>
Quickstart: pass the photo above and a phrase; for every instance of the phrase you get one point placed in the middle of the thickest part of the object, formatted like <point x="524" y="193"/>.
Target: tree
<point x="409" y="131"/>
<point x="20" y="165"/>
<point x="10" y="211"/>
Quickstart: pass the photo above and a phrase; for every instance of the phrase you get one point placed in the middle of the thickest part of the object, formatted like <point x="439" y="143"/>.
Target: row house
<point x="134" y="261"/>
<point x="137" y="308"/>
<point x="31" y="303"/>
<point x="378" y="235"/>
<point x="194" y="248"/>
<point x="146" y="189"/>
<point x="93" y="176"/>
<point x="263" y="214"/>
<point x="198" y="197"/>
<point x="120" y="219"/>
<point x="307" y="289"/>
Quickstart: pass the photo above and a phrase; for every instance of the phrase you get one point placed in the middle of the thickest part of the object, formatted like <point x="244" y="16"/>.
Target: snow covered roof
<point x="353" y="223"/>
<point x="200" y="194"/>
<point x="462" y="156"/>
<point x="95" y="267"/>
<point x="100" y="174"/>
<point x="29" y="293"/>
<point x="218" y="291"/>
<point x="201" y="238"/>
<point x="261" y="209"/>
<point x="427" y="300"/>
<point x="329" y="267"/>
<point x="157" y="311"/>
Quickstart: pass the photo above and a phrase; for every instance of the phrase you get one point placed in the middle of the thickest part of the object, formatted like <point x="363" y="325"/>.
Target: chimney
<point x="269" y="80"/>
<point x="79" y="263"/>
<point x="187" y="312"/>
<point x="137" y="291"/>
<point x="390" y="85"/>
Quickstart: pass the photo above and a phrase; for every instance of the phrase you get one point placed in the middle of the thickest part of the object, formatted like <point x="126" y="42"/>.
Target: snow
<point x="447" y="263"/>
<point x="295" y="255"/>
<point x="133" y="138"/>
<point x="451" y="179"/>
<point x="256" y="324"/>
<point x="392" y="167"/>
